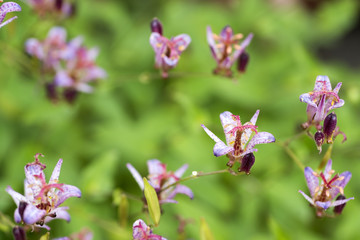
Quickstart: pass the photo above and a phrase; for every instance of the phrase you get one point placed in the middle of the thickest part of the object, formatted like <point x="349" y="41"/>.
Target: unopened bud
<point x="70" y="95"/>
<point x="21" y="209"/>
<point x="319" y="138"/>
<point x="51" y="91"/>
<point x="19" y="233"/>
<point x="156" y="26"/>
<point x="58" y="4"/>
<point x="339" y="208"/>
<point x="329" y="126"/>
<point x="242" y="62"/>
<point x="247" y="162"/>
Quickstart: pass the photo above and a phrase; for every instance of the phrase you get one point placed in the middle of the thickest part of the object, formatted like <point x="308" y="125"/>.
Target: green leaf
<point x="205" y="233"/>
<point x="152" y="202"/>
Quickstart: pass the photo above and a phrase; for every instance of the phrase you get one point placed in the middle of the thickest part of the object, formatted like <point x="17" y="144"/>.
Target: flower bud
<point x="51" y="91"/>
<point x="319" y="138"/>
<point x="247" y="162"/>
<point x="21" y="209"/>
<point x="329" y="126"/>
<point x="242" y="62"/>
<point x="339" y="208"/>
<point x="70" y="95"/>
<point x="19" y="233"/>
<point x="156" y="26"/>
<point x="58" y="4"/>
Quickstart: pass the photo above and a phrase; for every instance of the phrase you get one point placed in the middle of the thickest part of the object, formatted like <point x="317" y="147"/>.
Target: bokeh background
<point x="135" y="115"/>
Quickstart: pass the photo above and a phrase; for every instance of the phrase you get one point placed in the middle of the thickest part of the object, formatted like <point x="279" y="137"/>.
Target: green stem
<point x="292" y="155"/>
<point x="326" y="158"/>
<point x="196" y="174"/>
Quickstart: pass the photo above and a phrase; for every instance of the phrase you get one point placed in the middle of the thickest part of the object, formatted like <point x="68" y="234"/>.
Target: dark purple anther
<point x="242" y="62"/>
<point x="339" y="208"/>
<point x="156" y="26"/>
<point x="329" y="126"/>
<point x="58" y="4"/>
<point x="22" y="206"/>
<point x="19" y="233"/>
<point x="247" y="162"/>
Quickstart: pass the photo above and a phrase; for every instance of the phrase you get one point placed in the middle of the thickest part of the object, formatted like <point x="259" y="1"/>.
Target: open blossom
<point x="57" y="8"/>
<point x="84" y="234"/>
<point x="167" y="51"/>
<point x="240" y="140"/>
<point x="42" y="200"/>
<point x="160" y="178"/>
<point x="324" y="192"/>
<point x="71" y="65"/>
<point x="226" y="49"/>
<point x="320" y="101"/>
<point x="142" y="232"/>
<point x="6" y="8"/>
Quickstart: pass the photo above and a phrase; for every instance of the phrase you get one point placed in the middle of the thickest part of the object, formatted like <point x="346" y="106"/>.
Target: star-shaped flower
<point x="320" y="101"/>
<point x="160" y="179"/>
<point x="42" y="200"/>
<point x="226" y="49"/>
<point x="240" y="138"/>
<point x="324" y="192"/>
<point x="142" y="232"/>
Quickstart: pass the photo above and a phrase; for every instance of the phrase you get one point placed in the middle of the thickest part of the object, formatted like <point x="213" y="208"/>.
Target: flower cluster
<point x="167" y="51"/>
<point x="240" y="140"/>
<point x="71" y="65"/>
<point x="58" y="8"/>
<point x="6" y="8"/>
<point x="324" y="192"/>
<point x="161" y="179"/>
<point x="42" y="200"/>
<point x="320" y="102"/>
<point x="225" y="49"/>
<point x="142" y="232"/>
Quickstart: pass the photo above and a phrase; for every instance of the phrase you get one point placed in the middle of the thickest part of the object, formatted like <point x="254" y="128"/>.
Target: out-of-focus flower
<point x="6" y="8"/>
<point x="42" y="200"/>
<point x="325" y="191"/>
<point x="84" y="234"/>
<point x="19" y="233"/>
<point x="71" y="65"/>
<point x="160" y="178"/>
<point x="54" y="8"/>
<point x="167" y="51"/>
<point x="320" y="101"/>
<point x="142" y="232"/>
<point x="240" y="140"/>
<point x="226" y="49"/>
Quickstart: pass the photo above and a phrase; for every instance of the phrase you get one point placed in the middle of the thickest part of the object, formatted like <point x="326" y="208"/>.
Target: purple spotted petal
<point x="322" y="83"/>
<point x="182" y="190"/>
<point x="228" y="123"/>
<point x="155" y="167"/>
<point x="32" y="214"/>
<point x="255" y="117"/>
<point x="324" y="205"/>
<point x="56" y="172"/>
<point x="260" y="138"/>
<point x="239" y="51"/>
<point x="211" y="134"/>
<point x="6" y="8"/>
<point x="63" y="79"/>
<point x="162" y="201"/>
<point x="221" y="149"/>
<point x="321" y="110"/>
<point x="311" y="180"/>
<point x="34" y="48"/>
<point x="181" y="41"/>
<point x="334" y="191"/>
<point x="337" y="88"/>
<point x="307" y="197"/>
<point x="339" y="104"/>
<point x="61" y="213"/>
<point x="136" y="175"/>
<point x="306" y="98"/>
<point x="340" y="202"/>
<point x="328" y="171"/>
<point x="178" y="173"/>
<point x="212" y="43"/>
<point x="17" y="197"/>
<point x="171" y="62"/>
<point x="68" y="191"/>
<point x="17" y="216"/>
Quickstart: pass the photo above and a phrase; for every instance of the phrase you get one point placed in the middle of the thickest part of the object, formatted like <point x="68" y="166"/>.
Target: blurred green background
<point x="135" y="115"/>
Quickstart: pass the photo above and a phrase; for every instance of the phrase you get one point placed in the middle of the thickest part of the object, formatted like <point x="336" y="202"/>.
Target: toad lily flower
<point x="54" y="8"/>
<point x="225" y="49"/>
<point x="240" y="140"/>
<point x="160" y="179"/>
<point x="142" y="232"/>
<point x="320" y="101"/>
<point x="6" y="8"/>
<point x="325" y="191"/>
<point x="42" y="200"/>
<point x="167" y="51"/>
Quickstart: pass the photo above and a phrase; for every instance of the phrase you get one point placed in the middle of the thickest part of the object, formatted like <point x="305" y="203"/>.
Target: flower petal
<point x="34" y="48"/>
<point x="239" y="51"/>
<point x="337" y="88"/>
<point x="56" y="172"/>
<point x="255" y="117"/>
<point x="340" y="202"/>
<point x="221" y="149"/>
<point x="260" y="138"/>
<point x="140" y="230"/>
<point x="228" y="123"/>
<point x="311" y="180"/>
<point x="307" y="98"/>
<point x="17" y="216"/>
<point x="32" y="214"/>
<point x="322" y="83"/>
<point x="16" y="196"/>
<point x="63" y="79"/>
<point x="178" y="173"/>
<point x="334" y="191"/>
<point x="181" y="189"/>
<point x="67" y="191"/>
<point x="6" y="8"/>
<point x="328" y="171"/>
<point x="61" y="213"/>
<point x="324" y="205"/>
<point x="307" y="197"/>
<point x="211" y="134"/>
<point x="136" y="175"/>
